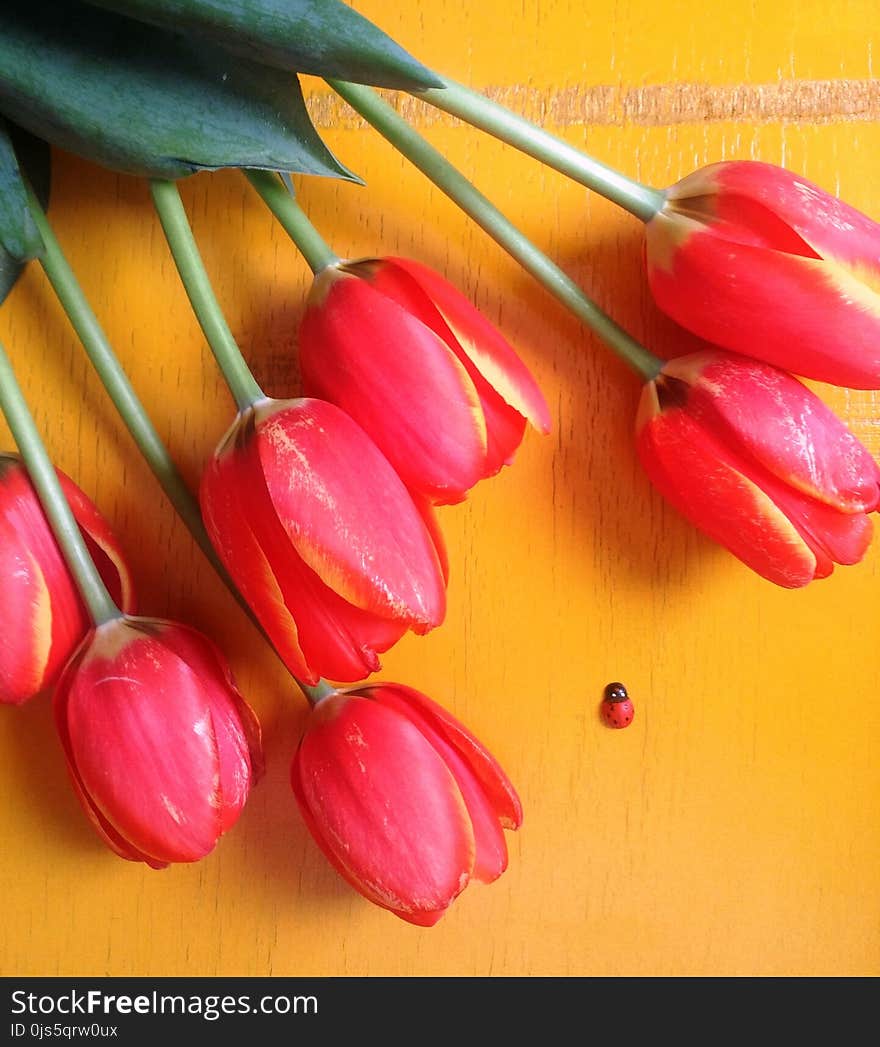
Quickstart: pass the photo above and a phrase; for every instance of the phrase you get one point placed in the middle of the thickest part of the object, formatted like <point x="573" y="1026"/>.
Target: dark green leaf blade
<point x="33" y="159"/>
<point x="324" y="37"/>
<point x="148" y="102"/>
<point x="18" y="234"/>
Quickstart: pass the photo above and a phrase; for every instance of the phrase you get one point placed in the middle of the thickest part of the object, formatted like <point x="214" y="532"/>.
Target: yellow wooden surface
<point x="734" y="828"/>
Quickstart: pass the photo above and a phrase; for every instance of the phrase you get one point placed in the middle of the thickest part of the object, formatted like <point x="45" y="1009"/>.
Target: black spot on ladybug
<point x="615" y="692"/>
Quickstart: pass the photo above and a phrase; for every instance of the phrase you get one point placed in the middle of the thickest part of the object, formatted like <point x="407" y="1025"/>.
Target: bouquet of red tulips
<point x="318" y="511"/>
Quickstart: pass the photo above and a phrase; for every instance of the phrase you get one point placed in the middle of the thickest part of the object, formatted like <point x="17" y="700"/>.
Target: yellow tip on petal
<point x="41" y="626"/>
<point x="649" y="405"/>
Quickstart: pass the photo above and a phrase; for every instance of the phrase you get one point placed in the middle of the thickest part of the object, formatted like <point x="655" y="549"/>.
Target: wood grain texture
<point x="816" y="101"/>
<point x="734" y="828"/>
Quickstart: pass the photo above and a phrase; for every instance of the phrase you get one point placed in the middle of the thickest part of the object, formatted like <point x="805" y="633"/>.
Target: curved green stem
<point x="115" y="381"/>
<point x="452" y="182"/>
<point x="175" y="224"/>
<point x="640" y="200"/>
<point x="42" y="473"/>
<point x="293" y="219"/>
<point x="133" y="413"/>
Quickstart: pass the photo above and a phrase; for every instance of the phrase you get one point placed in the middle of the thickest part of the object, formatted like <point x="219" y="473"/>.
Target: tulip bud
<point x="759" y="260"/>
<point x="161" y="748"/>
<point x="759" y="463"/>
<point x="402" y="799"/>
<point x="434" y="384"/>
<point x="322" y="538"/>
<point x="42" y="618"/>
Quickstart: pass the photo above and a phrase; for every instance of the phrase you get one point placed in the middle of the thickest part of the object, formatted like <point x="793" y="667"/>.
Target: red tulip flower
<point x="759" y="463"/>
<point x="402" y="799"/>
<point x="322" y="538"/>
<point x="161" y="748"/>
<point x="42" y="618"/>
<point x="435" y="385"/>
<point x="759" y="260"/>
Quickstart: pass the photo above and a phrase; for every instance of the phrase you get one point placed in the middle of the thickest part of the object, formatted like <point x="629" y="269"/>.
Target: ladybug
<point x="617" y="706"/>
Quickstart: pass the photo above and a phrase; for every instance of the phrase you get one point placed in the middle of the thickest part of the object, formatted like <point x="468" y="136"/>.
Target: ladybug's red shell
<point x="618" y="714"/>
<point x="617" y="706"/>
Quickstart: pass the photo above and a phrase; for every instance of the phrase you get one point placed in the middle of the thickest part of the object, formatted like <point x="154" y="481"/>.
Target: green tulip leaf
<point x="147" y="102"/>
<point x="20" y="154"/>
<point x="324" y="37"/>
<point x="18" y="233"/>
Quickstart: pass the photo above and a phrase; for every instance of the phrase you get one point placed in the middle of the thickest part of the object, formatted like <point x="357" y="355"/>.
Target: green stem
<point x="321" y="689"/>
<point x="452" y="182"/>
<point x="132" y="412"/>
<point x="293" y="219"/>
<point x="42" y="473"/>
<point x="115" y="381"/>
<point x="120" y="390"/>
<point x="175" y="224"/>
<point x="640" y="200"/>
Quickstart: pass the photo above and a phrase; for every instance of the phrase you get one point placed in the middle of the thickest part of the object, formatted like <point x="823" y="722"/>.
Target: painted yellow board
<point x="734" y="828"/>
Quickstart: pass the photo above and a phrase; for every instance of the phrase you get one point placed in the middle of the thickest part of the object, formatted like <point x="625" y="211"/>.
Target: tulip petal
<point x="425" y="712"/>
<point x="830" y="227"/>
<point x="236" y="728"/>
<point x="505" y="423"/>
<point x="420" y="918"/>
<point x="26" y="617"/>
<point x="44" y="618"/>
<point x="105" y="830"/>
<point x="227" y="520"/>
<point x="39" y="595"/>
<point x="141" y="737"/>
<point x="780" y="423"/>
<point x="347" y="512"/>
<point x="805" y="315"/>
<point x="399" y="381"/>
<point x="731" y="215"/>
<point x="429" y="516"/>
<point x="700" y="477"/>
<point x="505" y="426"/>
<point x="316" y="632"/>
<point x="490" y="859"/>
<point x="382" y="804"/>
<point x="338" y="640"/>
<point x="834" y="537"/>
<point x="447" y="311"/>
<point x="102" y="544"/>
